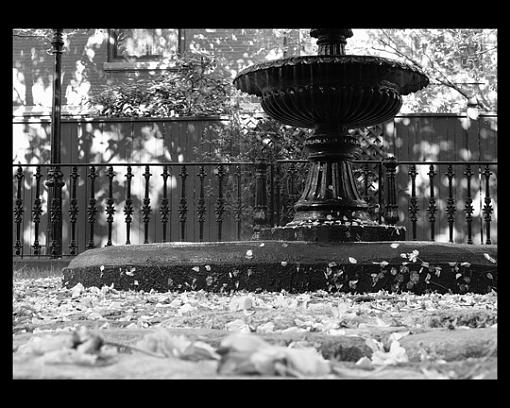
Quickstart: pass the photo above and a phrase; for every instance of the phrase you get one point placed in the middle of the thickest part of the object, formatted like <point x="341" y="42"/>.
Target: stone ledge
<point x="293" y="266"/>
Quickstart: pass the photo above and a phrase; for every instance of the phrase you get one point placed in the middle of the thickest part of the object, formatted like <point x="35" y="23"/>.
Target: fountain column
<point x="330" y="191"/>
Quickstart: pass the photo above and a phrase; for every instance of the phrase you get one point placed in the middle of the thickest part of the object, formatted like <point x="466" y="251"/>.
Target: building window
<point x="144" y="44"/>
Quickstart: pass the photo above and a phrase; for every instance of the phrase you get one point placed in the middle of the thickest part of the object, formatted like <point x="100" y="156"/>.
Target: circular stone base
<point x="294" y="266"/>
<point x="334" y="233"/>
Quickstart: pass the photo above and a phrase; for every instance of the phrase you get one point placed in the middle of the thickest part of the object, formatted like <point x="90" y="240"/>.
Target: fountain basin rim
<point x="339" y="59"/>
<point x="269" y="251"/>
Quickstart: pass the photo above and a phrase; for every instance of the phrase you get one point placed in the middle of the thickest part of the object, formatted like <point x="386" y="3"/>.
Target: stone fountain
<point x="331" y="243"/>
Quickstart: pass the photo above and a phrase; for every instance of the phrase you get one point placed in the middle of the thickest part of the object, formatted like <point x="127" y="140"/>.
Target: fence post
<point x="18" y="211"/>
<point x="487" y="208"/>
<point x="55" y="183"/>
<point x="391" y="208"/>
<point x="260" y="218"/>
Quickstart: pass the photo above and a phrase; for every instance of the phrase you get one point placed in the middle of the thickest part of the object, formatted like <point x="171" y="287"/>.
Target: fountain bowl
<point x="327" y="90"/>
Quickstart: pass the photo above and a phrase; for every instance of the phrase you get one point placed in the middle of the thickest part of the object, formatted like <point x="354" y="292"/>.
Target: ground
<point x="197" y="334"/>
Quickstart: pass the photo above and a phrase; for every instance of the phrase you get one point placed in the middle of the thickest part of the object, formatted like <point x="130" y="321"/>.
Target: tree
<point x="461" y="64"/>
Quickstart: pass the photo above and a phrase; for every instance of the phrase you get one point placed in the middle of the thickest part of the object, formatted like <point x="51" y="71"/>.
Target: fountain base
<point x="293" y="266"/>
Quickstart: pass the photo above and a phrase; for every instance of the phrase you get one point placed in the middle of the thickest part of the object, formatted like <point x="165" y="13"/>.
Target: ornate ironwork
<point x="183" y="209"/>
<point x="91" y="209"/>
<point x="128" y="206"/>
<point x="55" y="184"/>
<point x="18" y="211"/>
<point x="110" y="209"/>
<point x="201" y="204"/>
<point x="164" y="208"/>
<point x="331" y="41"/>
<point x="220" y="202"/>
<point x="73" y="211"/>
<point x="432" y="208"/>
<point x="254" y="79"/>
<point x="391" y="213"/>
<point x="277" y="188"/>
<point x="413" y="202"/>
<point x="366" y="172"/>
<point x="379" y="192"/>
<point x="239" y="204"/>
<point x="468" y="207"/>
<point x="271" y="210"/>
<point x="37" y="210"/>
<point x="450" y="202"/>
<point x="291" y="189"/>
<point x="330" y="192"/>
<point x="146" y="208"/>
<point x="260" y="218"/>
<point x="487" y="208"/>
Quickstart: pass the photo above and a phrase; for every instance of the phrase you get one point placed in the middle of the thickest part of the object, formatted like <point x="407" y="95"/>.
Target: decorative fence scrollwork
<point x="216" y="201"/>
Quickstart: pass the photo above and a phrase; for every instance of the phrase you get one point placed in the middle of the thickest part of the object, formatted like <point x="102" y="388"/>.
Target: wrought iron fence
<point x="435" y="200"/>
<point x="95" y="194"/>
<point x="197" y="201"/>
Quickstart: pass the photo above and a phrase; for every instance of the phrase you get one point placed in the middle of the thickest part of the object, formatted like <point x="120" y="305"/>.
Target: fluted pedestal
<point x="330" y="208"/>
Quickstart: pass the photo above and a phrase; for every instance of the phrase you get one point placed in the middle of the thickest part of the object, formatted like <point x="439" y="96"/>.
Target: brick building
<point x="96" y="57"/>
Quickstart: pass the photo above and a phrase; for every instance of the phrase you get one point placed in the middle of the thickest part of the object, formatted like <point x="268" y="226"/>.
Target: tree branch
<point x="433" y="71"/>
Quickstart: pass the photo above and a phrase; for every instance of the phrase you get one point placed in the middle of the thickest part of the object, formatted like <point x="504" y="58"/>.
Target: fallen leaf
<point x="264" y="328"/>
<point x="186" y="309"/>
<point x="248" y="354"/>
<point x="364" y="362"/>
<point x="396" y="354"/>
<point x="489" y="258"/>
<point x="77" y="290"/>
<point x="238" y="325"/>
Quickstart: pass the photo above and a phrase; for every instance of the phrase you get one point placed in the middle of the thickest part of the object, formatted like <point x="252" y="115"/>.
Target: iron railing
<point x="394" y="195"/>
<point x="197" y="201"/>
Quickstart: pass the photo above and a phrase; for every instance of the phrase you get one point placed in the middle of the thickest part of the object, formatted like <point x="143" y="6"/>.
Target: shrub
<point x="195" y="87"/>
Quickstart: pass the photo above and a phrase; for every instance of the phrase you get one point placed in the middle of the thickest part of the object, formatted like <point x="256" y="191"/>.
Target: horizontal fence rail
<point x="108" y="204"/>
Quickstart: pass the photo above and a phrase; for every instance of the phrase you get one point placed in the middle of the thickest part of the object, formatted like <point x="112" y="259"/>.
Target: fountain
<point x="331" y="243"/>
<point x="331" y="93"/>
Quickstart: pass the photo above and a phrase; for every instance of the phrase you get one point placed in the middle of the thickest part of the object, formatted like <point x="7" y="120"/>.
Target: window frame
<point x="113" y="57"/>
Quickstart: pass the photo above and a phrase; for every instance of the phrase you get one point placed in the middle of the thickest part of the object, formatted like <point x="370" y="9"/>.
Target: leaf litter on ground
<point x="44" y="306"/>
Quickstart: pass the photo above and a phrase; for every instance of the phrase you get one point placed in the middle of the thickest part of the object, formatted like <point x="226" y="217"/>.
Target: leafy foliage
<point x="195" y="87"/>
